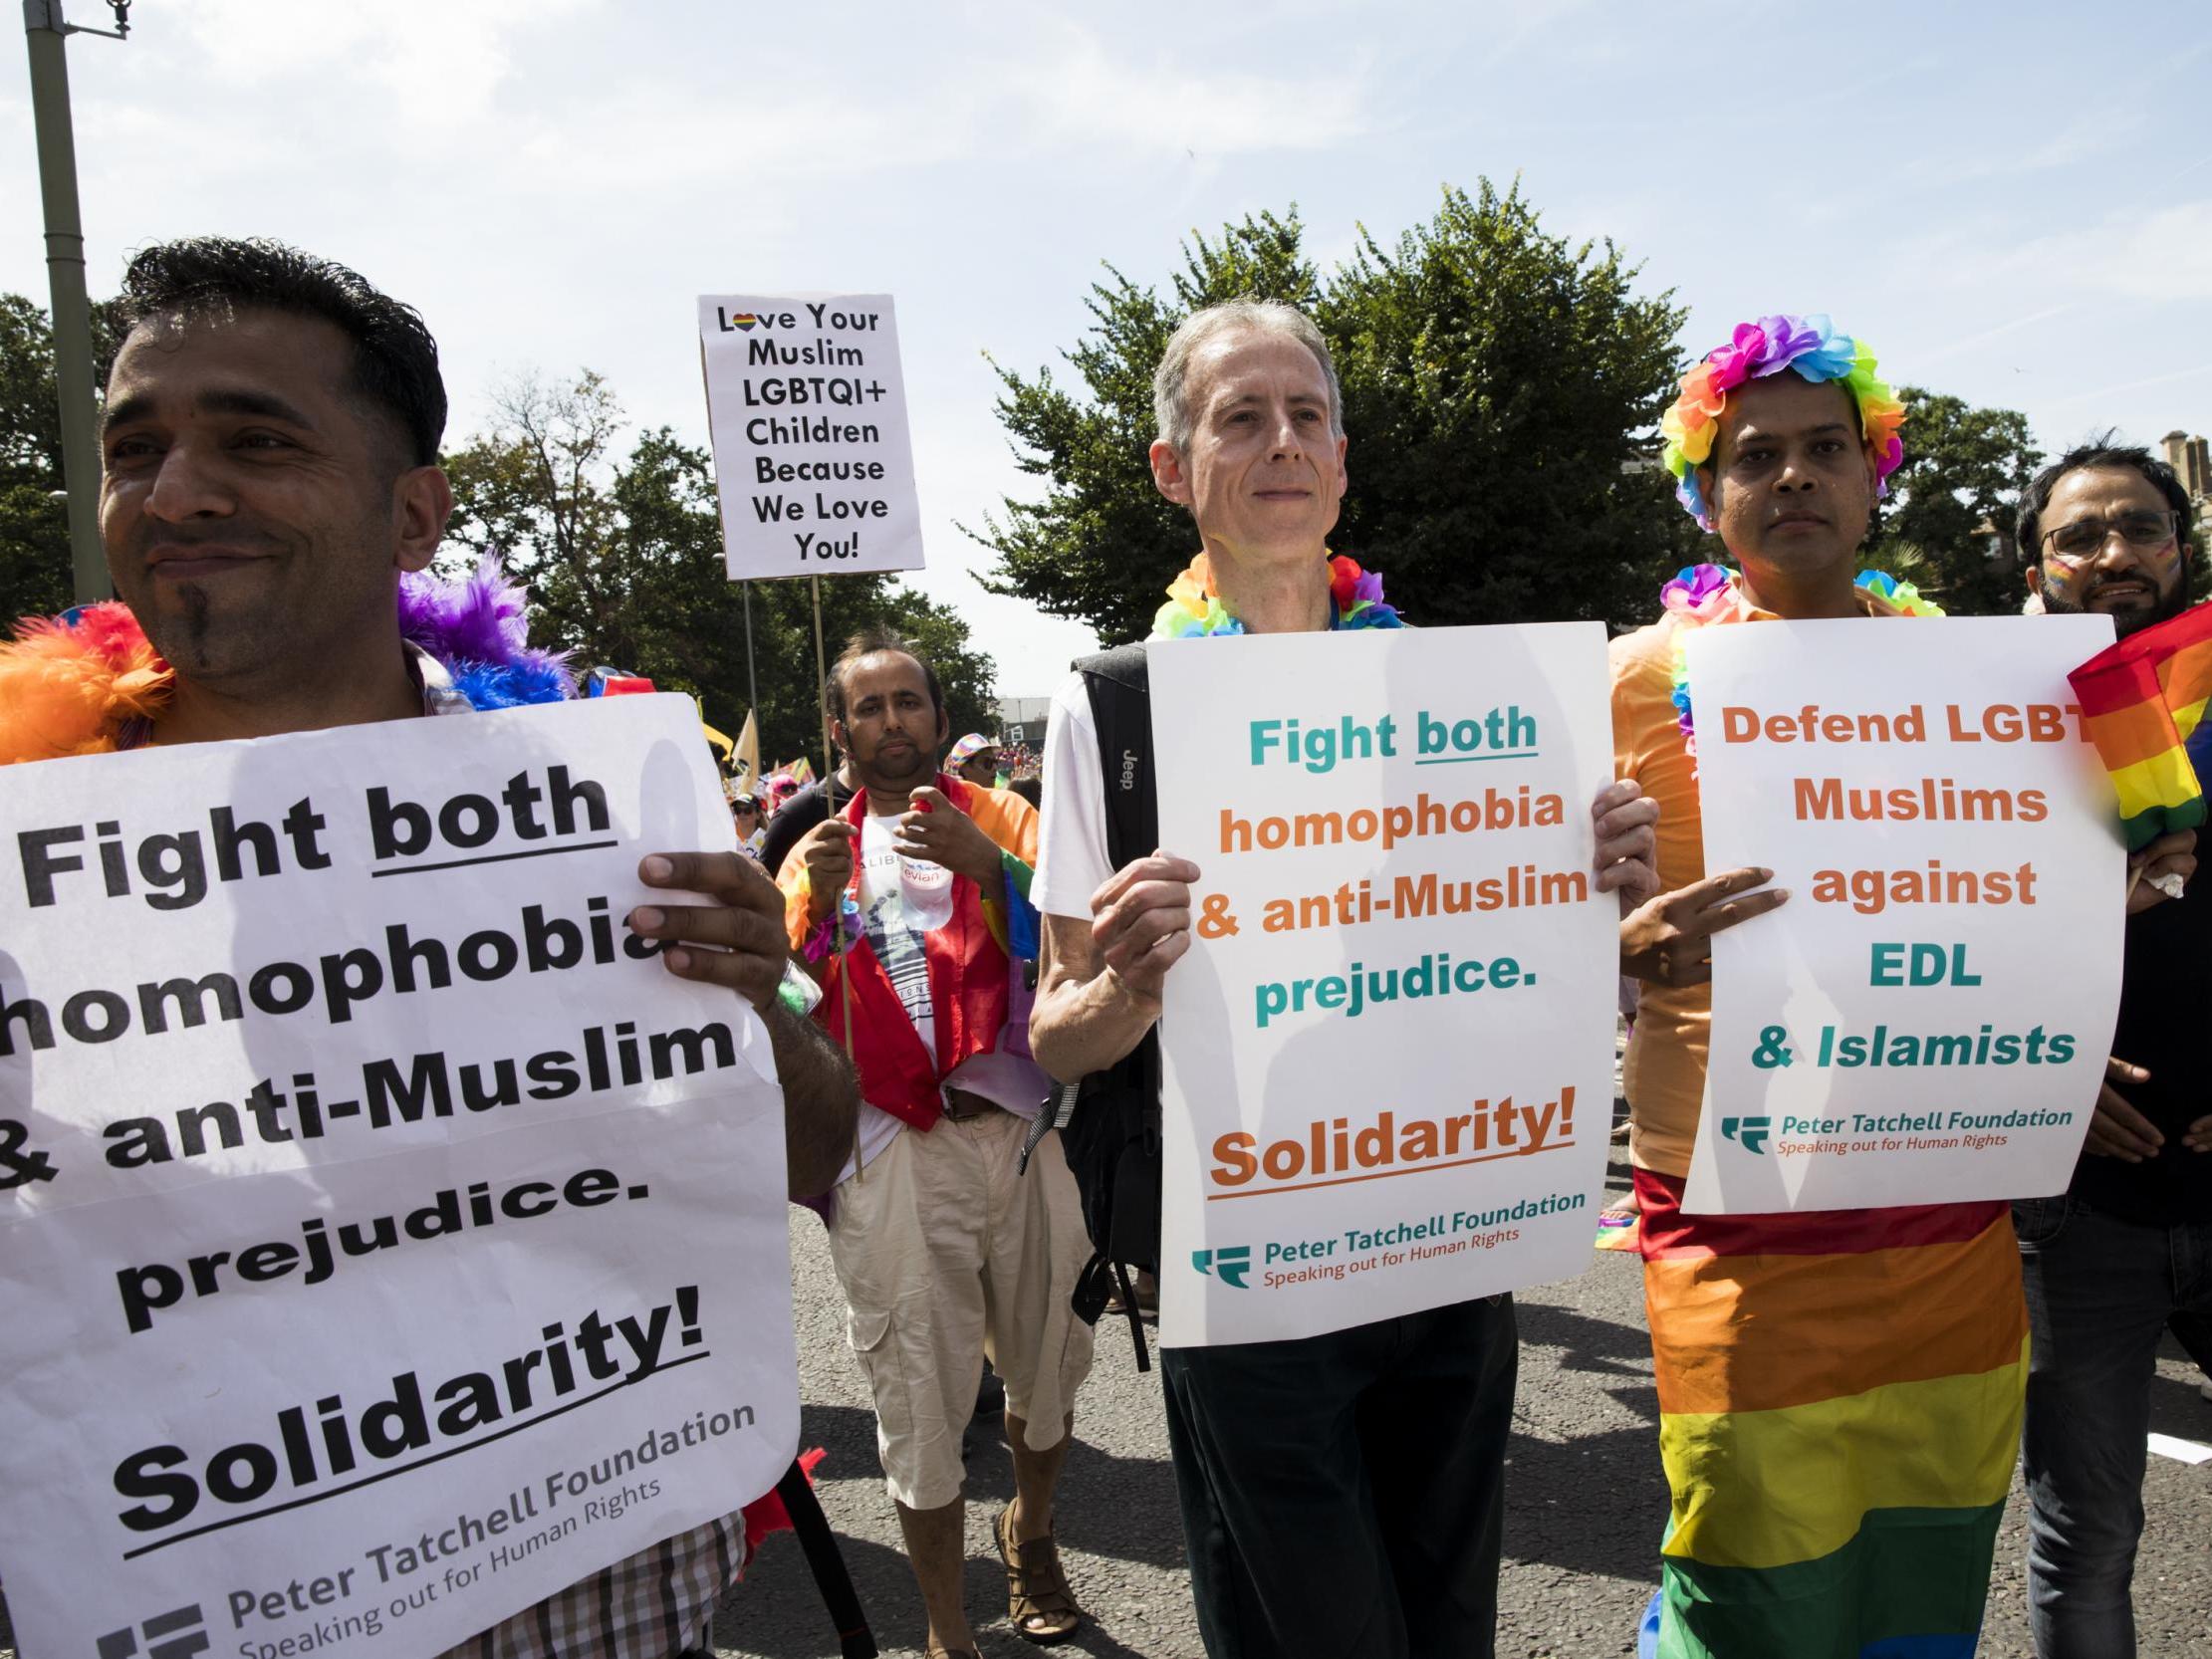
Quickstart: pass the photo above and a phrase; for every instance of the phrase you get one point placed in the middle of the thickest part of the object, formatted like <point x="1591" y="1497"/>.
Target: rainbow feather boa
<point x="1700" y="596"/>
<point x="1194" y="609"/>
<point x="70" y="684"/>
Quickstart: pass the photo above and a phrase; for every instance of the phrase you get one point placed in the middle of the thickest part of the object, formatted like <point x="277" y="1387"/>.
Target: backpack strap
<point x="1120" y="682"/>
<point x="1059" y="1107"/>
<point x="1120" y="685"/>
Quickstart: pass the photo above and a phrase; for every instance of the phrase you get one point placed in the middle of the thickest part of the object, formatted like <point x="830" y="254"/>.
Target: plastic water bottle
<point x="927" y="889"/>
<point x="924" y="888"/>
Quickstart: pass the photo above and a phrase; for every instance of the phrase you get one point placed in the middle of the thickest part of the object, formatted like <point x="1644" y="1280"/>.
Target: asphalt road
<point x="1584" y="1508"/>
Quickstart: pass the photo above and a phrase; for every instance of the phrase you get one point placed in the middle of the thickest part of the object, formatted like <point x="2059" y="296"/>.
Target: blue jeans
<point x="2100" y="1292"/>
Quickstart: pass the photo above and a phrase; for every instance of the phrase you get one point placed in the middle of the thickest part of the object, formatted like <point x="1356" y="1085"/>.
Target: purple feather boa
<point x="477" y="627"/>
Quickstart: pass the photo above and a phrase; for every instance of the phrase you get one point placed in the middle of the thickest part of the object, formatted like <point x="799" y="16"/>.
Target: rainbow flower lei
<point x="1809" y="346"/>
<point x="1703" y="595"/>
<point x="1194" y="609"/>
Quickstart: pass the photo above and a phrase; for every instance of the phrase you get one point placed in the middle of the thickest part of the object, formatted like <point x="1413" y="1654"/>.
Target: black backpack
<point x="1112" y="1137"/>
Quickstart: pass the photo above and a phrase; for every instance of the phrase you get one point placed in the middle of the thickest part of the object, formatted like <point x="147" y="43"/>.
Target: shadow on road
<point x="1603" y="1347"/>
<point x="775" y="1613"/>
<point x="1112" y="1510"/>
<point x="1593" y="1504"/>
<point x="1137" y="1523"/>
<point x="2177" y="1408"/>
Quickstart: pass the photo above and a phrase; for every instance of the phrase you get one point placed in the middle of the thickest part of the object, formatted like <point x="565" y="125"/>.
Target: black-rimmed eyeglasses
<point x="2079" y="541"/>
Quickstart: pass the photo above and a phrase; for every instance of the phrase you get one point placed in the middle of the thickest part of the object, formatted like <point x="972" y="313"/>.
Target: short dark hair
<point x="874" y="642"/>
<point x="2098" y="452"/>
<point x="396" y="359"/>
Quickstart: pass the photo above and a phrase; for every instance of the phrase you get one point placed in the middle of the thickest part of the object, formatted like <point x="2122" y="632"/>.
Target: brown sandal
<point x="933" y="1651"/>
<point x="1036" y="1589"/>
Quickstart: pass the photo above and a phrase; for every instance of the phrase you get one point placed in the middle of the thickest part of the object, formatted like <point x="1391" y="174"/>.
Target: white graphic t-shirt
<point x="895" y="932"/>
<point x="901" y="901"/>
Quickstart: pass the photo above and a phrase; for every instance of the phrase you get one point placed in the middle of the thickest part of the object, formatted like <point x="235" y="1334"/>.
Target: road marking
<point x="2181" y="1451"/>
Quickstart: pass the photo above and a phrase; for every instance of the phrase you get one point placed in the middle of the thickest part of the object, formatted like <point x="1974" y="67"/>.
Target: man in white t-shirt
<point x="953" y="1236"/>
<point x="1343" y="1494"/>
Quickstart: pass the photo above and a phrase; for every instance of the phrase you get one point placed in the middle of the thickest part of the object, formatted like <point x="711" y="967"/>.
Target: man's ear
<point x="1708" y="486"/>
<point x="422" y="502"/>
<point x="1168" y="473"/>
<point x="2034" y="573"/>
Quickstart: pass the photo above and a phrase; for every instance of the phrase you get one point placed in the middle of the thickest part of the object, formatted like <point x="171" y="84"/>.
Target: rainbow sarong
<point x="1840" y="1404"/>
<point x="2144" y="699"/>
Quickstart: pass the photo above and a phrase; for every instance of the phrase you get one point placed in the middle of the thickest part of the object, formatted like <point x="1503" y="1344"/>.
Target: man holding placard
<point x="1340" y="1493"/>
<point x="1838" y="1388"/>
<point x="2106" y="529"/>
<point x="271" y="494"/>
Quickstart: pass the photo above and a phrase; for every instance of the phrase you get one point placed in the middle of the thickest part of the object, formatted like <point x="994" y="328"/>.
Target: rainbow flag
<point x="2143" y="699"/>
<point x="1840" y="1405"/>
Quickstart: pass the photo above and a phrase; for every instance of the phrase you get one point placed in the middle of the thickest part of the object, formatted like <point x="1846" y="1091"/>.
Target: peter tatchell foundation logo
<point x="1229" y="1265"/>
<point x="1748" y="1133"/>
<point x="182" y="1634"/>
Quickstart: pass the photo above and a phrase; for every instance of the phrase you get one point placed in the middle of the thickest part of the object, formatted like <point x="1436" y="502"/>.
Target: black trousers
<point x="1344" y="1496"/>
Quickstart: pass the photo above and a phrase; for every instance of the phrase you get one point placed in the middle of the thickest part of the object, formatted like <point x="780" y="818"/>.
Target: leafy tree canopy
<point x="1952" y="500"/>
<point x="1502" y="393"/>
<point x="1496" y="381"/>
<point x="34" y="571"/>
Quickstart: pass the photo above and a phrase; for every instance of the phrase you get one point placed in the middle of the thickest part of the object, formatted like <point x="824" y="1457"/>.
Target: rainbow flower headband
<point x="1194" y="609"/>
<point x="1809" y="345"/>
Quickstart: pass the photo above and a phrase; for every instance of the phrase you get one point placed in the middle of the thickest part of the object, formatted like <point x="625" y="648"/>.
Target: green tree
<point x="1952" y="499"/>
<point x="35" y="569"/>
<point x="1104" y="543"/>
<point x="1496" y="381"/>
<point x="622" y="554"/>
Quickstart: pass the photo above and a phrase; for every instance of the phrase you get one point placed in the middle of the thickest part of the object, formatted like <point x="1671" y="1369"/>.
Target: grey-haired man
<point x="1343" y="1494"/>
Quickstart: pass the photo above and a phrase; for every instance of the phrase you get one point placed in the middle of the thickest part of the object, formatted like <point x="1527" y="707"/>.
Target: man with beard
<point x="2127" y="1251"/>
<point x="912" y="905"/>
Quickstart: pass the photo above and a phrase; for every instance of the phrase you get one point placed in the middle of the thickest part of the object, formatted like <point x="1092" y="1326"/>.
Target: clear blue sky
<point x="2012" y="203"/>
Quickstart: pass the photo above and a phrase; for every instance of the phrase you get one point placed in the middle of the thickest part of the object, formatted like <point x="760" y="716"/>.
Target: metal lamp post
<point x="45" y="28"/>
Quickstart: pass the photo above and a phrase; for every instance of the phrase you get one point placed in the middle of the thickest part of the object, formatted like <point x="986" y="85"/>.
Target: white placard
<point x="1389" y="1087"/>
<point x="385" y="1245"/>
<point x="806" y="410"/>
<point x="1927" y="1017"/>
